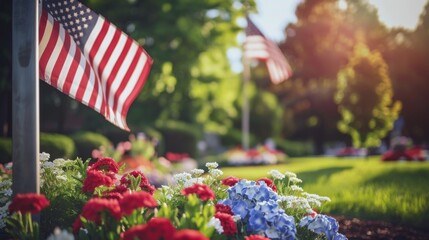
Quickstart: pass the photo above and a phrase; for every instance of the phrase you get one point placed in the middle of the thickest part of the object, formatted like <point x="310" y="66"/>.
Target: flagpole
<point x="245" y="107"/>
<point x="25" y="97"/>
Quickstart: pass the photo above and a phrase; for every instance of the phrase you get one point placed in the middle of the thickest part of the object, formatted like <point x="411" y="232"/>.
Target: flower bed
<point x="97" y="201"/>
<point x="262" y="155"/>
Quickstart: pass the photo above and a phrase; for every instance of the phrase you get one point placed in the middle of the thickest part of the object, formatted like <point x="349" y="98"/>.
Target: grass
<point x="396" y="192"/>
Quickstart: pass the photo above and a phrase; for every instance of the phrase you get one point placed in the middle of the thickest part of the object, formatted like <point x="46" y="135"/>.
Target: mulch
<point x="355" y="228"/>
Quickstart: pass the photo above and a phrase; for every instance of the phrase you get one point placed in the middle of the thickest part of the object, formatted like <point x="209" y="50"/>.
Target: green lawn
<point x="397" y="192"/>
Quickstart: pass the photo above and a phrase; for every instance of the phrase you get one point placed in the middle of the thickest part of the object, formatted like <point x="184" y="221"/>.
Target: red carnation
<point x="227" y="222"/>
<point x="28" y="203"/>
<point x="112" y="195"/>
<point x="203" y="191"/>
<point x="134" y="200"/>
<point x="144" y="183"/>
<point x="269" y="183"/>
<point x="95" y="206"/>
<point x="255" y="237"/>
<point x="95" y="179"/>
<point x="105" y="165"/>
<point x="223" y="209"/>
<point x="189" y="234"/>
<point x="156" y="228"/>
<point x="230" y="181"/>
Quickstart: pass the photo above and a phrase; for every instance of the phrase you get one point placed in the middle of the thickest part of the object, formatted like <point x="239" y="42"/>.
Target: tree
<point x="364" y="98"/>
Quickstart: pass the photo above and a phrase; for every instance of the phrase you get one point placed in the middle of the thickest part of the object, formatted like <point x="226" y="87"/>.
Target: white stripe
<point x="46" y="37"/>
<point x="101" y="52"/>
<point x="90" y="85"/>
<point x="67" y="63"/>
<point x="53" y="58"/>
<point x="115" y="54"/>
<point x="131" y="84"/>
<point x="125" y="65"/>
<point x="80" y="71"/>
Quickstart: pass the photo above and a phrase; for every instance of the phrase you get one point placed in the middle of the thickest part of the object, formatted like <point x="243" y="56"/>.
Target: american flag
<point x="257" y="46"/>
<point x="89" y="59"/>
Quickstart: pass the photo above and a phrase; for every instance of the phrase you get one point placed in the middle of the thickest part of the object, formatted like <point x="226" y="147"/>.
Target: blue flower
<point x="241" y="208"/>
<point x="270" y="208"/>
<point x="322" y="224"/>
<point x="257" y="221"/>
<point x="285" y="225"/>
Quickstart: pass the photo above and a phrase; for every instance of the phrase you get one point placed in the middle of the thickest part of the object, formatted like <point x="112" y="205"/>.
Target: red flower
<point x="203" y="191"/>
<point x="189" y="234"/>
<point x="95" y="179"/>
<point x="222" y="208"/>
<point x="155" y="229"/>
<point x="228" y="224"/>
<point x="255" y="237"/>
<point x="105" y="165"/>
<point x="269" y="183"/>
<point x="28" y="203"/>
<point x="77" y="225"/>
<point x="95" y="206"/>
<point x="144" y="183"/>
<point x="112" y="195"/>
<point x="134" y="200"/>
<point x="176" y="157"/>
<point x="230" y="181"/>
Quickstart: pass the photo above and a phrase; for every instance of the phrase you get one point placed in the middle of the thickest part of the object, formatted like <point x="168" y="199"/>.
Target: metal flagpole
<point x="245" y="107"/>
<point x="25" y="96"/>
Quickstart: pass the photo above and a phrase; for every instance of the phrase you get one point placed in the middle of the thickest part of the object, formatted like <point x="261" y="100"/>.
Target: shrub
<point x="59" y="146"/>
<point x="87" y="141"/>
<point x="5" y="150"/>
<point x="179" y="137"/>
<point x="294" y="148"/>
<point x="234" y="137"/>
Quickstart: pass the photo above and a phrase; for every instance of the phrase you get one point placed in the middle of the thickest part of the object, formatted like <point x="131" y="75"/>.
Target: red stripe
<point x="105" y="59"/>
<point x="83" y="84"/>
<point x="50" y="47"/>
<point x="64" y="50"/>
<point x="42" y="27"/>
<point x="72" y="71"/>
<point x="92" y="52"/>
<point x="139" y="85"/>
<point x="126" y="79"/>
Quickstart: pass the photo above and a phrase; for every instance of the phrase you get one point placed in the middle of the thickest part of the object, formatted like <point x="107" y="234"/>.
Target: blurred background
<point x="360" y="77"/>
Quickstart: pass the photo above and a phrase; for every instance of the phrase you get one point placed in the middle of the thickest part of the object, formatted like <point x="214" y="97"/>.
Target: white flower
<point x="192" y="181"/>
<point x="276" y="174"/>
<point x="61" y="177"/>
<point x="215" y="173"/>
<point x="7" y="182"/>
<point x="181" y="177"/>
<point x="60" y="162"/>
<point x="197" y="172"/>
<point x="48" y="164"/>
<point x="290" y="174"/>
<point x="6" y="192"/>
<point x="295" y="180"/>
<point x="296" y="188"/>
<point x="236" y="218"/>
<point x="44" y="156"/>
<point x="211" y="165"/>
<point x="60" y="235"/>
<point x="214" y="222"/>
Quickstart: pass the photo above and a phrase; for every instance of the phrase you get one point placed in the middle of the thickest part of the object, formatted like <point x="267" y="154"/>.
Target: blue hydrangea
<point x="322" y="224"/>
<point x="257" y="205"/>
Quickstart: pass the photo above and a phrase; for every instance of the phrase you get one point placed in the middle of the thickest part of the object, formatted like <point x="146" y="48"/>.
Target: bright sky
<point x="274" y="15"/>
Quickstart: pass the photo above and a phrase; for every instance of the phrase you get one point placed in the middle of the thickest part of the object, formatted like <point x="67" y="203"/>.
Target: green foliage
<point x="234" y="137"/>
<point x="85" y="142"/>
<point x="366" y="188"/>
<point x="58" y="145"/>
<point x="179" y="137"/>
<point x="5" y="150"/>
<point x="364" y="97"/>
<point x="294" y="148"/>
